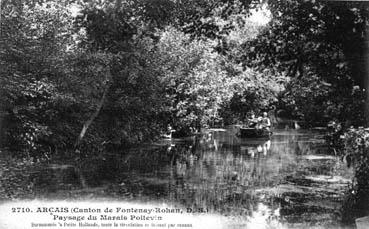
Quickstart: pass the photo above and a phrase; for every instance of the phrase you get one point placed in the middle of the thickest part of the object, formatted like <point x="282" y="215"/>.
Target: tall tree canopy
<point x="121" y="71"/>
<point x="322" y="46"/>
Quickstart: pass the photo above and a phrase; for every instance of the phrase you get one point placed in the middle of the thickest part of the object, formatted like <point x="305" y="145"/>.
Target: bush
<point x="356" y="150"/>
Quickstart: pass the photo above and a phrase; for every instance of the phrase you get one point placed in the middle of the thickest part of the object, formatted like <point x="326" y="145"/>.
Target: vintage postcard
<point x="184" y="114"/>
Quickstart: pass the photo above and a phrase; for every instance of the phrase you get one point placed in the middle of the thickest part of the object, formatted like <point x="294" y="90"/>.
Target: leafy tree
<point x="312" y="42"/>
<point x="34" y="38"/>
<point x="202" y="84"/>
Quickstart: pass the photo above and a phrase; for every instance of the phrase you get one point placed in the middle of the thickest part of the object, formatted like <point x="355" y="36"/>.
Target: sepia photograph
<point x="239" y="114"/>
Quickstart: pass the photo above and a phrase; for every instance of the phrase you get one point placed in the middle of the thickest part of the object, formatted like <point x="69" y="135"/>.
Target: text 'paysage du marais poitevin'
<point x="117" y="213"/>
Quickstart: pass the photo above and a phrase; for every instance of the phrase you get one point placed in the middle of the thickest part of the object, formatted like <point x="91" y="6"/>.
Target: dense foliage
<point x="356" y="145"/>
<point x="321" y="46"/>
<point x="120" y="72"/>
<point x="104" y="77"/>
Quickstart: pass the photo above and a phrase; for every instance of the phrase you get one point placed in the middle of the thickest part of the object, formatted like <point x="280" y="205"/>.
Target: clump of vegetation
<point x="356" y="152"/>
<point x="15" y="180"/>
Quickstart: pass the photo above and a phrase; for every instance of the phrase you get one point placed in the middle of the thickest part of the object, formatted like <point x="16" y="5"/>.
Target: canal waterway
<point x="287" y="181"/>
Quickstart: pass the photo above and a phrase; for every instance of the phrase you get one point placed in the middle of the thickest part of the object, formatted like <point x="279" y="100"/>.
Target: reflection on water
<point x="287" y="180"/>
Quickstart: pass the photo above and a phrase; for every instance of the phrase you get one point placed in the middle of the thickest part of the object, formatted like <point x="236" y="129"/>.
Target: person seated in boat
<point x="259" y="123"/>
<point x="265" y="122"/>
<point x="252" y="122"/>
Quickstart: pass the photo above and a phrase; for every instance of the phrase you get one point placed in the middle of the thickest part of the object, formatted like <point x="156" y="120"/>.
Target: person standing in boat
<point x="265" y="122"/>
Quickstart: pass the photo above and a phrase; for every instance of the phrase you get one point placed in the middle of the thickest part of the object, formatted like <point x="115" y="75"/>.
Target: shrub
<point x="356" y="150"/>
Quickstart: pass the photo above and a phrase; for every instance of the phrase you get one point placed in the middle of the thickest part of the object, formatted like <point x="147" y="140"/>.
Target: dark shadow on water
<point x="289" y="176"/>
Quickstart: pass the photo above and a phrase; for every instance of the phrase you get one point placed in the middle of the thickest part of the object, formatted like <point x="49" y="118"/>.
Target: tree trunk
<point x="92" y="118"/>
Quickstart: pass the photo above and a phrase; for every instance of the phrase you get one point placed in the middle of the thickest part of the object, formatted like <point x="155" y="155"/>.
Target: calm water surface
<point x="287" y="180"/>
